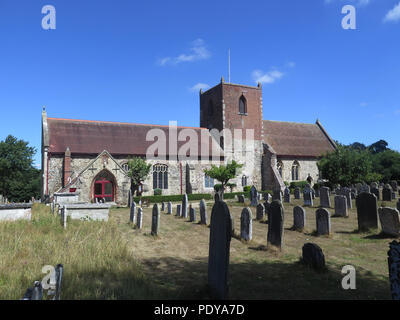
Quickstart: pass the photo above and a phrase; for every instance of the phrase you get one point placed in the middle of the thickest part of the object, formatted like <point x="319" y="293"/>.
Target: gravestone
<point x="260" y="212"/>
<point x="203" y="212"/>
<point x="132" y="216"/>
<point x="324" y="196"/>
<point x="277" y="195"/>
<point x="275" y="224"/>
<point x="393" y="195"/>
<point x="394" y="185"/>
<point x="367" y="211"/>
<point x="323" y="219"/>
<point x="297" y="193"/>
<point x="374" y="185"/>
<point x="364" y="188"/>
<point x="375" y="191"/>
<point x="267" y="197"/>
<point x="169" y="207"/>
<point x="253" y="196"/>
<point x="299" y="218"/>
<point x="139" y="222"/>
<point x="155" y="220"/>
<point x="162" y="206"/>
<point x="286" y="195"/>
<point x="217" y="197"/>
<point x="241" y="198"/>
<point x="313" y="193"/>
<point x="390" y="221"/>
<point x="266" y="208"/>
<point x="341" y="206"/>
<point x="219" y="247"/>
<point x="184" y="209"/>
<point x="246" y="225"/>
<point x="394" y="269"/>
<point x="307" y="198"/>
<point x="192" y="214"/>
<point x="387" y="193"/>
<point x="347" y="193"/>
<point x="178" y="210"/>
<point x="313" y="256"/>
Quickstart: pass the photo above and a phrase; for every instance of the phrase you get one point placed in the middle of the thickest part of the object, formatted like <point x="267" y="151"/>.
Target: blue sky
<point x="144" y="62"/>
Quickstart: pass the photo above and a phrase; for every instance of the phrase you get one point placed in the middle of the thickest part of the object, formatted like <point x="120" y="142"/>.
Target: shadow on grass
<point x="380" y="236"/>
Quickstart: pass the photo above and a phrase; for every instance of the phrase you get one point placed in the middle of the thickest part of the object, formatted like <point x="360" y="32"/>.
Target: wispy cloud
<point x="198" y="86"/>
<point x="363" y="104"/>
<point x="291" y="64"/>
<point x="266" y="77"/>
<point x="393" y="15"/>
<point x="198" y="51"/>
<point x="358" y="3"/>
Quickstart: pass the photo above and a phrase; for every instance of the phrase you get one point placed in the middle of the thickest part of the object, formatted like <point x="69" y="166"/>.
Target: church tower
<point x="233" y="106"/>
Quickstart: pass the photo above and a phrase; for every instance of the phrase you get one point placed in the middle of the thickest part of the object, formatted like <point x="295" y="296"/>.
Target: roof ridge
<point x="291" y="122"/>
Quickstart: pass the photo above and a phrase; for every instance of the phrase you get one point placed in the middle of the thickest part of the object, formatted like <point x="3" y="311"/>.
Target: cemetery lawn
<point x="114" y="260"/>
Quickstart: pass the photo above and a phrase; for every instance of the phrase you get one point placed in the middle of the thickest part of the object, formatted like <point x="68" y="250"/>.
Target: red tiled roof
<point x="92" y="137"/>
<point x="296" y="139"/>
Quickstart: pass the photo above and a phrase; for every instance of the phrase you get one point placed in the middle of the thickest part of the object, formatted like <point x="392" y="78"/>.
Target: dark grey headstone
<point x="169" y="207"/>
<point x="132" y="215"/>
<point x="341" y="206"/>
<point x="390" y="221"/>
<point x="367" y="211"/>
<point x="347" y="193"/>
<point x="192" y="214"/>
<point x="387" y="193"/>
<point x="155" y="220"/>
<point x="162" y="206"/>
<point x="241" y="198"/>
<point x="219" y="246"/>
<point x="253" y="196"/>
<point x="266" y="208"/>
<point x="286" y="195"/>
<point x="297" y="193"/>
<point x="267" y="197"/>
<point x="299" y="218"/>
<point x="246" y="225"/>
<point x="394" y="269"/>
<point x="203" y="212"/>
<point x="178" y="210"/>
<point x="324" y="197"/>
<point x="275" y="224"/>
<point x="323" y="219"/>
<point x="375" y="191"/>
<point x="260" y="212"/>
<point x="185" y="204"/>
<point x="277" y="195"/>
<point x="307" y="197"/>
<point x="313" y="256"/>
<point x="394" y="185"/>
<point x="139" y="222"/>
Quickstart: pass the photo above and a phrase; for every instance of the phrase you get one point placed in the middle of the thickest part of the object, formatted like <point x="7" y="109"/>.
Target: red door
<point x="103" y="190"/>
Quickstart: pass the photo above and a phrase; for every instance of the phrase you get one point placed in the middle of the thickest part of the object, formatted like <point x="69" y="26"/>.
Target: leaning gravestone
<point x="299" y="218"/>
<point x="169" y="207"/>
<point x="323" y="219"/>
<point x="341" y="206"/>
<point x="387" y="193"/>
<point x="155" y="220"/>
<point x="218" y="256"/>
<point x="286" y="195"/>
<point x="307" y="197"/>
<point x="390" y="221"/>
<point x="192" y="214"/>
<point x="260" y="212"/>
<point x="184" y="209"/>
<point x="324" y="196"/>
<point x="367" y="211"/>
<point x="375" y="191"/>
<point x="132" y="216"/>
<point x="297" y="193"/>
<point x="253" y="196"/>
<point x="246" y="225"/>
<point x="277" y="195"/>
<point x="139" y="222"/>
<point x="275" y="224"/>
<point x="394" y="269"/>
<point x="203" y="212"/>
<point x="178" y="210"/>
<point x="313" y="256"/>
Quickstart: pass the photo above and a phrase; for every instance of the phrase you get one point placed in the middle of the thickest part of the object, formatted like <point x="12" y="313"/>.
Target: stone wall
<point x="17" y="211"/>
<point x="306" y="167"/>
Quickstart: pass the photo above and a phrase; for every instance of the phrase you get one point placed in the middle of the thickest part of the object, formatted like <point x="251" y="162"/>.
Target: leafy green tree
<point x="19" y="179"/>
<point x="138" y="172"/>
<point x="346" y="166"/>
<point x="387" y="163"/>
<point x="224" y="173"/>
<point x="378" y="146"/>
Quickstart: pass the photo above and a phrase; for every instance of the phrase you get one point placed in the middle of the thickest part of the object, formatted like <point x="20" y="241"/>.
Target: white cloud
<point x="198" y="86"/>
<point x="266" y="77"/>
<point x="393" y="15"/>
<point x="198" y="51"/>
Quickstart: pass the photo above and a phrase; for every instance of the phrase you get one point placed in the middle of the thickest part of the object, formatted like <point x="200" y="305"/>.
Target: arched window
<point x="242" y="105"/>
<point x="210" y="108"/>
<point x="280" y="167"/>
<point x="125" y="166"/>
<point x="208" y="181"/>
<point x="244" y="181"/>
<point x="295" y="171"/>
<point x="160" y="176"/>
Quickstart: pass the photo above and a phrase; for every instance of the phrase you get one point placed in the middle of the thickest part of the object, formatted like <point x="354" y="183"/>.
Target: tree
<point x="19" y="179"/>
<point x="378" y="146"/>
<point x="387" y="163"/>
<point x="346" y="166"/>
<point x="224" y="173"/>
<point x="357" y="146"/>
<point x="138" y="172"/>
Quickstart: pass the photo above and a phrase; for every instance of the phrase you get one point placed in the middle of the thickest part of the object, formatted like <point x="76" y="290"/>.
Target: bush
<point x="157" y="192"/>
<point x="217" y="187"/>
<point x="300" y="184"/>
<point x="246" y="189"/>
<point x="175" y="197"/>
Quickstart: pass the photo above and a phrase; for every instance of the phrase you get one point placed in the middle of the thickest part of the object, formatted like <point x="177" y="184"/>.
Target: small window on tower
<point x="242" y="105"/>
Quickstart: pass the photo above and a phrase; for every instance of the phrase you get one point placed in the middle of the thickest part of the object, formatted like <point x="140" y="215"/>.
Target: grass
<point x="114" y="260"/>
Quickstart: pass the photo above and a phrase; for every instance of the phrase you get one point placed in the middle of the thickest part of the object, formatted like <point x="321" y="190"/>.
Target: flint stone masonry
<point x="15" y="211"/>
<point x="97" y="211"/>
<point x="367" y="211"/>
<point x="390" y="221"/>
<point x="65" y="198"/>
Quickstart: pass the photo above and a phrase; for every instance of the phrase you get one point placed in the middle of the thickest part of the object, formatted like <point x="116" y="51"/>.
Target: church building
<point x="89" y="158"/>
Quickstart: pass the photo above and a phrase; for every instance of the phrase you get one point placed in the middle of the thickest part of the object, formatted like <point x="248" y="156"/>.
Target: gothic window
<point x="244" y="181"/>
<point x="160" y="176"/>
<point x="280" y="167"/>
<point x="210" y="109"/>
<point x="242" y="105"/>
<point x="208" y="182"/>
<point x="125" y="167"/>
<point x="295" y="171"/>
